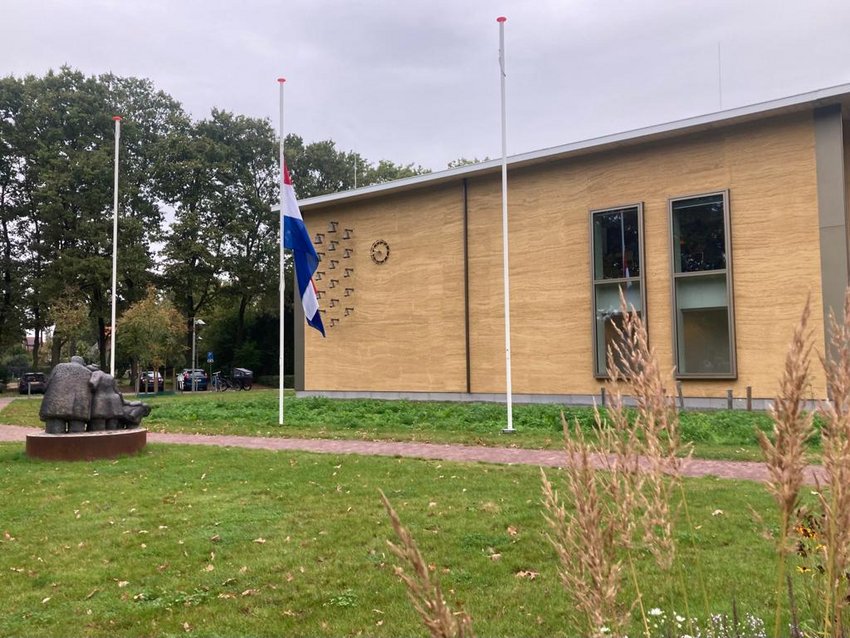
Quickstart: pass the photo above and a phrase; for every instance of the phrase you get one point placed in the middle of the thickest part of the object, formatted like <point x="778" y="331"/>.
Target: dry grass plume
<point x="423" y="590"/>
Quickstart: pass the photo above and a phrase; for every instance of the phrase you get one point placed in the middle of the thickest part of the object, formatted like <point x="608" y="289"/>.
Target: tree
<point x="462" y="161"/>
<point x="319" y="168"/>
<point x="57" y="171"/>
<point x="193" y="254"/>
<point x="11" y="316"/>
<point x="252" y="229"/>
<point x="151" y="332"/>
<point x="71" y="321"/>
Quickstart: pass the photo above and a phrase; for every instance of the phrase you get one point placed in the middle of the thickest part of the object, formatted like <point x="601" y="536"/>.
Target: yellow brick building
<point x="717" y="228"/>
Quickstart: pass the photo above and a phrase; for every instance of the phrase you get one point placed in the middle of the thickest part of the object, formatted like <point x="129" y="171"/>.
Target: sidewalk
<point x="745" y="470"/>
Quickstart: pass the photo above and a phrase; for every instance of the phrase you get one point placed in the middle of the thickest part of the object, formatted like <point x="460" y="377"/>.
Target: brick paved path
<point x="462" y="453"/>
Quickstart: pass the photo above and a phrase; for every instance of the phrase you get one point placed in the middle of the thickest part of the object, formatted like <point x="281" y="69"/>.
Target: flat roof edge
<point x="705" y="120"/>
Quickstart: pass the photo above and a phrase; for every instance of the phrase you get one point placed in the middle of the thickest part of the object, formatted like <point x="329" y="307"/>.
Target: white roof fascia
<point x="706" y="120"/>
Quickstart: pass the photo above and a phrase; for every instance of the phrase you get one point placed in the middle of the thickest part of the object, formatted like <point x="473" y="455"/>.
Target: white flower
<point x="604" y="630"/>
<point x="655" y="612"/>
<point x="680" y="618"/>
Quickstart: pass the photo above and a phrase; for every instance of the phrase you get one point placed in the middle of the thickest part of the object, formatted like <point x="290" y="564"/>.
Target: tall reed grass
<point x="423" y="590"/>
<point x="634" y="499"/>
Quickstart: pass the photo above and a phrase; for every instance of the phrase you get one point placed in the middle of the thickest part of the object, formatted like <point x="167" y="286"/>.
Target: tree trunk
<point x="56" y="349"/>
<point x="101" y="342"/>
<point x="36" y="342"/>
<point x="190" y="307"/>
<point x="6" y="307"/>
<point x="240" y="322"/>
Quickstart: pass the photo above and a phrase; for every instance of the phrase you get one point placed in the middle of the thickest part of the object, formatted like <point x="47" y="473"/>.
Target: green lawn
<point x="719" y="434"/>
<point x="188" y="540"/>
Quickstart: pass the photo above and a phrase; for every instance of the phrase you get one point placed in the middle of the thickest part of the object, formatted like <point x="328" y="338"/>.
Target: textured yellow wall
<point x="406" y="329"/>
<point x="406" y="333"/>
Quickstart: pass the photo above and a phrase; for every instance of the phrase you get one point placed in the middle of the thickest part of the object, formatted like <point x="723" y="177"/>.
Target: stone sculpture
<point x="80" y="398"/>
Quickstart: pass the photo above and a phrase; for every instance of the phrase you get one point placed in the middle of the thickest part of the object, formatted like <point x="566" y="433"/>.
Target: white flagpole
<point x="112" y="331"/>
<point x="282" y="278"/>
<point x="508" y="390"/>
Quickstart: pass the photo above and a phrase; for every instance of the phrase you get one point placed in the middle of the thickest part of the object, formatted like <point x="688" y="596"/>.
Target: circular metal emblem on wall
<point x="380" y="251"/>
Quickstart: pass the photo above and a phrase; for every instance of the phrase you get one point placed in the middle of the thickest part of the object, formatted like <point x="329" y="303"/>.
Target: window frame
<point x="727" y="272"/>
<point x="594" y="282"/>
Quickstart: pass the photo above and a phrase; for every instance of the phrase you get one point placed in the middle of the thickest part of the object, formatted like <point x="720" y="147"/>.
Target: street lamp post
<point x="195" y="323"/>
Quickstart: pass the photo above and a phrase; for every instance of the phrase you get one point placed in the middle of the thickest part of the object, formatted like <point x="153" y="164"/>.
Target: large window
<point x="617" y="264"/>
<point x="702" y="286"/>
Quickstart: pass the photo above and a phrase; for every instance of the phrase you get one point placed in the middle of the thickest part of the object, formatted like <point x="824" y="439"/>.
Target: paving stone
<point x="746" y="470"/>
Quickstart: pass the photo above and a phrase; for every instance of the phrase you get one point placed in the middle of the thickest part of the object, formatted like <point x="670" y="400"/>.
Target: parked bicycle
<point x="222" y="382"/>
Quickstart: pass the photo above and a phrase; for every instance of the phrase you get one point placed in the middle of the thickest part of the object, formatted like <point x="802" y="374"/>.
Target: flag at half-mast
<point x="297" y="239"/>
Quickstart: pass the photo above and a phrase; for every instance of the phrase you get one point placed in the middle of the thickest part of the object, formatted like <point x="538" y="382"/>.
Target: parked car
<point x="146" y="381"/>
<point x="32" y="383"/>
<point x="184" y="380"/>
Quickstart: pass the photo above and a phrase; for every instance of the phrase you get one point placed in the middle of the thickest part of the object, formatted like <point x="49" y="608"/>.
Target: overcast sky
<point x="418" y="82"/>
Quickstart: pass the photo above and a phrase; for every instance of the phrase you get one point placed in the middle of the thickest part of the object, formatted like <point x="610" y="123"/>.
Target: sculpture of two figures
<point x="81" y="398"/>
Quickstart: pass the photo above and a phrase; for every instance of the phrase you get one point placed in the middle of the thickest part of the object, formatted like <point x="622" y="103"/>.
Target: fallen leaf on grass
<point x="208" y="568"/>
<point x="226" y="595"/>
<point x="123" y="583"/>
<point x="20" y="570"/>
<point x="215" y="538"/>
<point x="260" y="540"/>
<point x="92" y="592"/>
<point x="243" y="569"/>
<point x="45" y="600"/>
<point x="289" y="612"/>
<point x="717" y="513"/>
<point x="512" y="531"/>
<point x="8" y="536"/>
<point x="527" y="573"/>
<point x="495" y="556"/>
<point x="250" y="592"/>
<point x="187" y="627"/>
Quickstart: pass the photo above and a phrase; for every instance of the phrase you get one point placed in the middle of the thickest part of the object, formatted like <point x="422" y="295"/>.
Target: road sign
<point x="210" y="358"/>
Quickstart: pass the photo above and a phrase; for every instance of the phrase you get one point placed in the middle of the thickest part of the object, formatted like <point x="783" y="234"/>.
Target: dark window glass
<point x="704" y="322"/>
<point x="616" y="251"/>
<point x="615" y="244"/>
<point x="699" y="239"/>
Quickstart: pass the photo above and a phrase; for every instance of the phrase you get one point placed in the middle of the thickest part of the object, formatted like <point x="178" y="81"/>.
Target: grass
<point x="715" y="435"/>
<point x="193" y="541"/>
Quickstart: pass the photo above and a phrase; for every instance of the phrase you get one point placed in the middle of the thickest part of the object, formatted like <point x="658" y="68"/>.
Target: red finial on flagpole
<point x="117" y="118"/>
<point x="281" y="80"/>
<point x="501" y="19"/>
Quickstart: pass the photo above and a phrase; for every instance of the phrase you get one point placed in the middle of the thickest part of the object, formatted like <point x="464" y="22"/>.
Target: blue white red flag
<point x="297" y="239"/>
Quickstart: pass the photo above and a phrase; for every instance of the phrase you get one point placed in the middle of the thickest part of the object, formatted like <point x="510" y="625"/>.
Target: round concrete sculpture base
<point x="86" y="446"/>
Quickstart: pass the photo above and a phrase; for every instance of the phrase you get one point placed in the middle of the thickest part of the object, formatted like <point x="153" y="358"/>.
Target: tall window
<point x="702" y="287"/>
<point x="617" y="256"/>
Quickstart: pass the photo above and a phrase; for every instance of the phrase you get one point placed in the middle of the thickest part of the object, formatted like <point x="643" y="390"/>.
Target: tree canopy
<point x="195" y="213"/>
